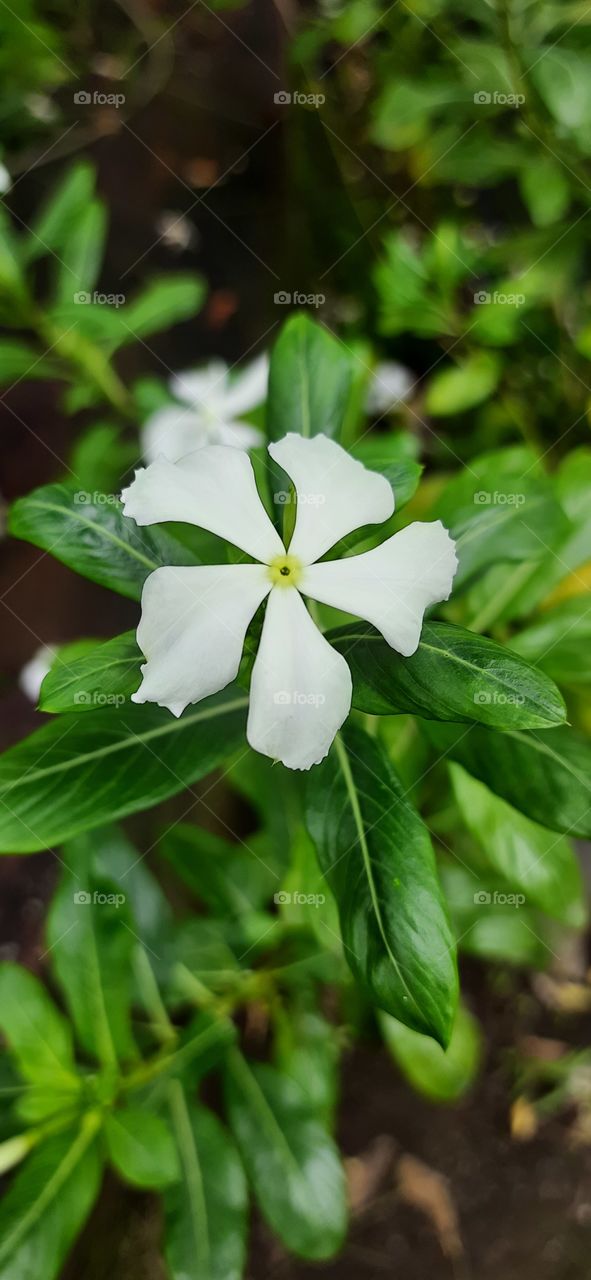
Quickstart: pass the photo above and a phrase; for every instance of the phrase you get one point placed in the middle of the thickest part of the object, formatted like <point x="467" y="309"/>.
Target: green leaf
<point x="545" y="190"/>
<point x="306" y="1050"/>
<point x="547" y="775"/>
<point x="533" y="861"/>
<point x="48" y="1203"/>
<point x="231" y="879"/>
<point x="309" y="381"/>
<point x="454" y="675"/>
<point x="79" y="772"/>
<point x="205" y="1215"/>
<point x="39" y="1038"/>
<point x="383" y="455"/>
<point x="51" y="227"/>
<point x="559" y="642"/>
<point x="463" y="386"/>
<point x="91" y="945"/>
<point x="442" y="1075"/>
<point x="163" y="303"/>
<point x="141" y="1147"/>
<point x="83" y="255"/>
<point x="105" y="675"/>
<point x="378" y="860"/>
<point x="114" y="858"/>
<point x="501" y="508"/>
<point x="290" y="1160"/>
<point x="563" y="78"/>
<point x="89" y="533"/>
<point x="18" y="360"/>
<point x="495" y="928"/>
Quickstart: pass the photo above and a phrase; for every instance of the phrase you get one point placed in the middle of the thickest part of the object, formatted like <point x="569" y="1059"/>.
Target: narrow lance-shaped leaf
<point x="38" y="1036"/>
<point x="89" y="533"/>
<point x="91" y="945"/>
<point x="48" y="1203"/>
<point x="377" y="857"/>
<point x="547" y="775"/>
<point x="290" y="1160"/>
<point x="80" y="771"/>
<point x="205" y="1214"/>
<point x="141" y="1147"/>
<point x="453" y="675"/>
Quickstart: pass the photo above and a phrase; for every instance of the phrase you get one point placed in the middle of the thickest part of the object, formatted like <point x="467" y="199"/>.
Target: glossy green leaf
<point x="89" y="533"/>
<point x="81" y="771"/>
<point x="48" y="1203"/>
<point x="104" y="675"/>
<point x="442" y="1075"/>
<point x="163" y="303"/>
<point x="205" y="1214"/>
<point x="309" y="381"/>
<point x="141" y="1147"/>
<point x="546" y="775"/>
<point x="306" y="1050"/>
<point x="91" y="945"/>
<point x="453" y="675"/>
<point x="290" y="1160"/>
<point x="378" y="860"/>
<point x="533" y="861"/>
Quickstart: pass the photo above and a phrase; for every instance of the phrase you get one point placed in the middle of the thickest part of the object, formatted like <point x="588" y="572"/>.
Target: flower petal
<point x="335" y="493"/>
<point x="390" y="384"/>
<point x="300" y="691"/>
<point x="172" y="432"/>
<point x="213" y="488"/>
<point x="392" y="585"/>
<point x="248" y="388"/>
<point x="240" y="435"/>
<point x="192" y="630"/>
<point x="202" y="388"/>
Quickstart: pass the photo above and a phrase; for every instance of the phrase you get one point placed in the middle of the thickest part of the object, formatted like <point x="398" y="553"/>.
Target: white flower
<point x="32" y="675"/>
<point x="209" y="411"/>
<point x="390" y="384"/>
<point x="194" y="620"/>
<point x="5" y="180"/>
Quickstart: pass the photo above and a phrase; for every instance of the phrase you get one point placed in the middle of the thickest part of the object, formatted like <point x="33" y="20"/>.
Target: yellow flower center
<point x="285" y="571"/>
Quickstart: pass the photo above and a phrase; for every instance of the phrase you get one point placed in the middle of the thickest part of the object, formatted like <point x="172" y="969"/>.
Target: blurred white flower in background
<point x="208" y="412"/>
<point x="33" y="673"/>
<point x="390" y="385"/>
<point x="5" y="180"/>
